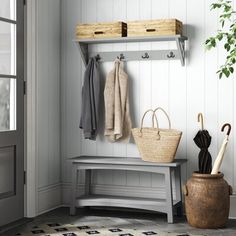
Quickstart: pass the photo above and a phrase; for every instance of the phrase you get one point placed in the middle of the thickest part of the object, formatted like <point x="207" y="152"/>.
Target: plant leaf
<point x="227" y="14"/>
<point x="226" y="72"/>
<point x="231" y="69"/>
<point x="220" y="75"/>
<point x="222" y="23"/>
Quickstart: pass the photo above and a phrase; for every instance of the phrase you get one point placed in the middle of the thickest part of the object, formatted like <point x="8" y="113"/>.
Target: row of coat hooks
<point x="144" y="55"/>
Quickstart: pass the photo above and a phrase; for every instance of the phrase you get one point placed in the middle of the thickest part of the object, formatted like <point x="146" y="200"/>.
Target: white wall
<point x="48" y="103"/>
<point x="182" y="91"/>
<point x="43" y="106"/>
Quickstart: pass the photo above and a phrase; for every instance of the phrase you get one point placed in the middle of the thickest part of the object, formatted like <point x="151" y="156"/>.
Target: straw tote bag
<point x="156" y="144"/>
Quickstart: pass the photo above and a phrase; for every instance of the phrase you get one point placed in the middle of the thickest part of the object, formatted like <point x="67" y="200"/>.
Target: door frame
<point x="31" y="187"/>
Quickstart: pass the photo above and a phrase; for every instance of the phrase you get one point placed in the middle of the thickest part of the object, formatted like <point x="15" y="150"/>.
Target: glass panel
<point x="8" y="9"/>
<point x="7" y="48"/>
<point x="7" y="104"/>
<point x="7" y="171"/>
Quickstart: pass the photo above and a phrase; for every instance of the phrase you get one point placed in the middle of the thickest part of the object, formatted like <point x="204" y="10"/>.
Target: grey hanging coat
<point x="90" y="100"/>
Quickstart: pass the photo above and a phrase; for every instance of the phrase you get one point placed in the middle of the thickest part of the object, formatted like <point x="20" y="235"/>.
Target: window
<point x="8" y="65"/>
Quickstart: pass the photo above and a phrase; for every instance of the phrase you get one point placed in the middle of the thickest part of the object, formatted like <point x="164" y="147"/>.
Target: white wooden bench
<point x="89" y="163"/>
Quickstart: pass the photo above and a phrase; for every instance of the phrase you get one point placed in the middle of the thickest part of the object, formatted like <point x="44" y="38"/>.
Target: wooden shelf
<point x="132" y="39"/>
<point x="123" y="161"/>
<point x="150" y="204"/>
<point x="178" y="54"/>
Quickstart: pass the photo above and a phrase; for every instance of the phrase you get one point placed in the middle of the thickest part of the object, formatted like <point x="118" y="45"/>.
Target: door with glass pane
<point x="11" y="110"/>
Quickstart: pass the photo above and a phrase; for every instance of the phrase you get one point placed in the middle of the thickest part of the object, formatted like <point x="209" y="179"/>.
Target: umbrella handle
<point x="229" y="128"/>
<point x="200" y="119"/>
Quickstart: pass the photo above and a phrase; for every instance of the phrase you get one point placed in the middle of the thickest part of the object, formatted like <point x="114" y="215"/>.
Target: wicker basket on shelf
<point x="154" y="27"/>
<point x="101" y="30"/>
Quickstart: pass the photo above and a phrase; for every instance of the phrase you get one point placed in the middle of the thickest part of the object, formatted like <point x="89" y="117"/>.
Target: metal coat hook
<point x="146" y="55"/>
<point x="98" y="58"/>
<point x="121" y="57"/>
<point x="229" y="128"/>
<point x="171" y="55"/>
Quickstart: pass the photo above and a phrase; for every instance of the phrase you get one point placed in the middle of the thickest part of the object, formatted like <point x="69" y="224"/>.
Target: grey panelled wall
<point x="182" y="91"/>
<point x="48" y="103"/>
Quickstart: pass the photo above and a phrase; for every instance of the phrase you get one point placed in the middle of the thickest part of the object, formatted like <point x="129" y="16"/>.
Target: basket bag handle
<point x="153" y="116"/>
<point x="168" y="118"/>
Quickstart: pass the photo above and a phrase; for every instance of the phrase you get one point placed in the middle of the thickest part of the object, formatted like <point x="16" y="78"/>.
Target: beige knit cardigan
<point x="117" y="114"/>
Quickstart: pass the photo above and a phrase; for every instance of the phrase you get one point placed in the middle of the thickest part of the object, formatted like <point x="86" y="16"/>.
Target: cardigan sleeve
<point x="109" y="100"/>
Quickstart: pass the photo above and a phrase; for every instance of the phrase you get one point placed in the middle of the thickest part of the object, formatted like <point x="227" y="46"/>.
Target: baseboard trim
<point x="232" y="213"/>
<point x="129" y="191"/>
<point x="58" y="195"/>
<point x="51" y="209"/>
<point x="49" y="187"/>
<point x="49" y="198"/>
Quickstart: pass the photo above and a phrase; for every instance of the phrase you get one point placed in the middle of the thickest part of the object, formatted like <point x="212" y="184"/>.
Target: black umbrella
<point x="203" y="141"/>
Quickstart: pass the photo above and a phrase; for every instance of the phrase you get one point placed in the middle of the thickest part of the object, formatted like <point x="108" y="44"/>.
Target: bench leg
<point x="169" y="195"/>
<point x="73" y="189"/>
<point x="178" y="190"/>
<point x="88" y="176"/>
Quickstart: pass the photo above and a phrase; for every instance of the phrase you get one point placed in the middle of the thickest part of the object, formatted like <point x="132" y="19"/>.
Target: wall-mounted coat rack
<point x="177" y="54"/>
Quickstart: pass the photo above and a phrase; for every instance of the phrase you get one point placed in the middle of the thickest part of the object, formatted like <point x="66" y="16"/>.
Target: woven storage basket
<point x="101" y="30"/>
<point x="154" y="27"/>
<point x="155" y="144"/>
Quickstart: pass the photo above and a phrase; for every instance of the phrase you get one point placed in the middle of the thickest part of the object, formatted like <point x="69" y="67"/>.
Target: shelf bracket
<point x="181" y="49"/>
<point x="83" y="48"/>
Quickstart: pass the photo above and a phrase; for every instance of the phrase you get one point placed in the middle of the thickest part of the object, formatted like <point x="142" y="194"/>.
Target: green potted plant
<point x="226" y="34"/>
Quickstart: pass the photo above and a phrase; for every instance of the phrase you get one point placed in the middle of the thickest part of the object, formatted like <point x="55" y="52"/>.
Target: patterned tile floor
<point x="106" y="221"/>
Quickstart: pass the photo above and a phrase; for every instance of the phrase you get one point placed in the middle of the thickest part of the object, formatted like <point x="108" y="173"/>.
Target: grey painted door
<point x="11" y="110"/>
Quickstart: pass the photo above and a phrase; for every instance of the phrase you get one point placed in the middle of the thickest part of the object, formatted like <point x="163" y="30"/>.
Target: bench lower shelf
<point x="151" y="204"/>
